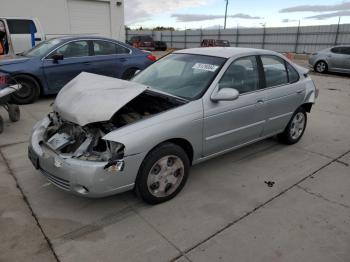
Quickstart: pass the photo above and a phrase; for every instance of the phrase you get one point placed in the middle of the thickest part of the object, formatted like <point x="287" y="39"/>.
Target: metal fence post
<point x="219" y="33"/>
<point x="264" y="35"/>
<point x="171" y="38"/>
<point x="201" y="37"/>
<point x="126" y="34"/>
<point x="337" y="33"/>
<point x="297" y="39"/>
<point x="161" y="36"/>
<point x="185" y="39"/>
<point x="237" y="36"/>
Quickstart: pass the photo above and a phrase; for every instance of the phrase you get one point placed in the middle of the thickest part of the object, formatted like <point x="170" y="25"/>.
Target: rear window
<point x="146" y="38"/>
<point x="21" y="26"/>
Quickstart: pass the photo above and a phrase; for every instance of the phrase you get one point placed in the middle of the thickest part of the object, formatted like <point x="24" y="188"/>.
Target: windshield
<point x="42" y="48"/>
<point x="182" y="75"/>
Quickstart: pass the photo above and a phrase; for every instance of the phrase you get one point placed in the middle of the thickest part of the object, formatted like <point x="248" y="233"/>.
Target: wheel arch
<point x="35" y="78"/>
<point x="181" y="142"/>
<point x="307" y="107"/>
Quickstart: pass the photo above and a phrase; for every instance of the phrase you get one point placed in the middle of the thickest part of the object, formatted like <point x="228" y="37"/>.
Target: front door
<point x="76" y="59"/>
<point x="229" y="124"/>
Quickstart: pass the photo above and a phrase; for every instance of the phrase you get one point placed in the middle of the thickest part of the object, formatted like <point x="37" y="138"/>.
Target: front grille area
<point x="57" y="181"/>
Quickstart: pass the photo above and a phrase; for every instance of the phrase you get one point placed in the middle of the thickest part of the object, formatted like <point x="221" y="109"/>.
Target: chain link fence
<point x="300" y="39"/>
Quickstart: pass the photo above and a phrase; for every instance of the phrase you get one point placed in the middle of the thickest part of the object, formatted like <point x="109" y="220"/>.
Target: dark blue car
<point x="47" y="67"/>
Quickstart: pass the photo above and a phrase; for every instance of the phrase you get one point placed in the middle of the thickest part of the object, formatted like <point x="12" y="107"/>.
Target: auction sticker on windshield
<point x="205" y="67"/>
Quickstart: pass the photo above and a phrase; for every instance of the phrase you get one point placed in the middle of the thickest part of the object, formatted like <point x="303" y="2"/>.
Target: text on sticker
<point x="205" y="67"/>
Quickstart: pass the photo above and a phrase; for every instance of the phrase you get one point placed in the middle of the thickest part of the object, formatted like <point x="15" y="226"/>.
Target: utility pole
<point x="225" y="14"/>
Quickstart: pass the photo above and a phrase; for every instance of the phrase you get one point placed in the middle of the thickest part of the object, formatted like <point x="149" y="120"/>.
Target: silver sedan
<point x="334" y="59"/>
<point x="107" y="136"/>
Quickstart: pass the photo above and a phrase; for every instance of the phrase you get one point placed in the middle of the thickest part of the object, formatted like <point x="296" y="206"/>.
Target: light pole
<point x="225" y="14"/>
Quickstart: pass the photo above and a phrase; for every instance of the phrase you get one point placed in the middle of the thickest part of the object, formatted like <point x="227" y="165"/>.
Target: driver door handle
<point x="260" y="101"/>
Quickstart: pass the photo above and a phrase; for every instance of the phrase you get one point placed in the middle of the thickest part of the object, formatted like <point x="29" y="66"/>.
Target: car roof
<point x="225" y="52"/>
<point x="77" y="37"/>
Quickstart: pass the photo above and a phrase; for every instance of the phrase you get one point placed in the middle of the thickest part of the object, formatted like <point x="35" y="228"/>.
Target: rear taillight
<point x="152" y="58"/>
<point x="3" y="80"/>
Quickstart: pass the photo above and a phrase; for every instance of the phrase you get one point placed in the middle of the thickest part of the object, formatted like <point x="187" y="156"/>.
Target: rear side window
<point x="293" y="75"/>
<point x="275" y="71"/>
<point x="108" y="48"/>
<point x="242" y="75"/>
<point x="20" y="26"/>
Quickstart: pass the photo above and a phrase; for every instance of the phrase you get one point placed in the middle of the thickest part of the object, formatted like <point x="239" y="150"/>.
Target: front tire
<point x="14" y="112"/>
<point x="29" y="92"/>
<point x="129" y="73"/>
<point x="163" y="173"/>
<point x="321" y="67"/>
<point x="295" y="128"/>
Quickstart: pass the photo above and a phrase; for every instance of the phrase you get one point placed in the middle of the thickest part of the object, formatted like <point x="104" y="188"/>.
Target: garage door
<point x="89" y="17"/>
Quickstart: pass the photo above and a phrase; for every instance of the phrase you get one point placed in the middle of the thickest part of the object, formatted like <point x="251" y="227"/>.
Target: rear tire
<point x="29" y="92"/>
<point x="129" y="73"/>
<point x="1" y="124"/>
<point x="14" y="112"/>
<point x="163" y="174"/>
<point x="321" y="67"/>
<point x="295" y="128"/>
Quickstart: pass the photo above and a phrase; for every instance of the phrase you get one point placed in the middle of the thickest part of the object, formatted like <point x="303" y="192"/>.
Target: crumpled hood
<point x="90" y="98"/>
<point x="12" y="59"/>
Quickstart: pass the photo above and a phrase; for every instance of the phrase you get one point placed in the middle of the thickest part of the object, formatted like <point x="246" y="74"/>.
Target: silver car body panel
<point x="90" y="98"/>
<point x="211" y="128"/>
<point x="339" y="63"/>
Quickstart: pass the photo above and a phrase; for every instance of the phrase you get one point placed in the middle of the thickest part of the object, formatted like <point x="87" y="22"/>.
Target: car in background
<point x="214" y="42"/>
<point x="334" y="59"/>
<point x="146" y="42"/>
<point x="21" y="33"/>
<point x="47" y="67"/>
<point x="186" y="108"/>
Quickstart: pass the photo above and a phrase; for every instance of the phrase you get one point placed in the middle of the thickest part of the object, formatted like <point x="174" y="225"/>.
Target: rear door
<point x="346" y="61"/>
<point x="76" y="59"/>
<point x="23" y="34"/>
<point x="283" y="93"/>
<point x="109" y="58"/>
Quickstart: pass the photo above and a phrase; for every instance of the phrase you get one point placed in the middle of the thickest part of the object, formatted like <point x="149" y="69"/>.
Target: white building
<point x="64" y="17"/>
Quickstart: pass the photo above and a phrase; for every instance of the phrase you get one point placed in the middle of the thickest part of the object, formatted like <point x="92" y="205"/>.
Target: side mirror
<point x="225" y="94"/>
<point x="56" y="57"/>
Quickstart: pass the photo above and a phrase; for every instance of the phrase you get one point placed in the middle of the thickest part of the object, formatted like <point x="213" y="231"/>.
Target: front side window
<point x="275" y="70"/>
<point x="183" y="75"/>
<point x="242" y="75"/>
<point x="21" y="26"/>
<point x="74" y="49"/>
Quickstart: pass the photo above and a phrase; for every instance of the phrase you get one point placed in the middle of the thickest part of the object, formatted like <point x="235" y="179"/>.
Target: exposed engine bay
<point x="86" y="143"/>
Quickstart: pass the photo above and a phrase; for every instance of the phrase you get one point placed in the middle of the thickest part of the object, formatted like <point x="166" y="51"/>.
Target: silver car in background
<point x="334" y="59"/>
<point x="107" y="136"/>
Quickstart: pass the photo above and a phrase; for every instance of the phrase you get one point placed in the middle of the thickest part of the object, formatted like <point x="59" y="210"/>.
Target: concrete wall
<point x="306" y="39"/>
<point x="54" y="17"/>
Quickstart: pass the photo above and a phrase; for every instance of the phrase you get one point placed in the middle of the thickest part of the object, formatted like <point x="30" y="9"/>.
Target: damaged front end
<point x="83" y="142"/>
<point x="69" y="146"/>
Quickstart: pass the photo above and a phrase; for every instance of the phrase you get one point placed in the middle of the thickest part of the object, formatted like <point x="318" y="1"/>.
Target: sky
<point x="192" y="14"/>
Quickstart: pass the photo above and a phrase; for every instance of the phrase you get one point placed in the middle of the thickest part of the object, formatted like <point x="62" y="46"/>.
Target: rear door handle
<point x="260" y="101"/>
<point x="122" y="59"/>
<point x="86" y="63"/>
<point x="300" y="92"/>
